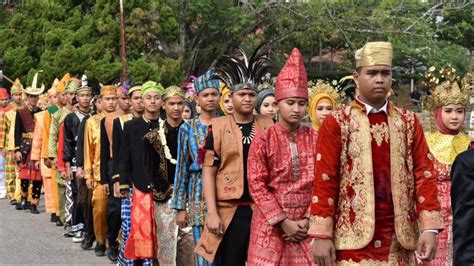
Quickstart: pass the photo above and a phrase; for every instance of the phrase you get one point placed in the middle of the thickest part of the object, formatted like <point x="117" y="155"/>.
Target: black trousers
<point x="77" y="206"/>
<point x="84" y="198"/>
<point x="235" y="244"/>
<point x="36" y="189"/>
<point x="114" y="209"/>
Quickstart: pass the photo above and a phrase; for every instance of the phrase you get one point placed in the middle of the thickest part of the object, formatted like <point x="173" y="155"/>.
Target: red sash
<point x="27" y="119"/>
<point x="142" y="243"/>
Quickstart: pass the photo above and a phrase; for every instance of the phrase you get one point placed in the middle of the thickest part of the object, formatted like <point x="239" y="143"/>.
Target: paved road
<point x="31" y="239"/>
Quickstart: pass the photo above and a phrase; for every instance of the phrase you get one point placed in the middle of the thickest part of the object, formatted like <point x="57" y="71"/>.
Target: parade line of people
<point x="223" y="171"/>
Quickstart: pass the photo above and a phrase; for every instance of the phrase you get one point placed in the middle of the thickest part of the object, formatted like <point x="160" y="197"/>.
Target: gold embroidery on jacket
<point x="319" y="225"/>
<point x="429" y="219"/>
<point x="379" y="133"/>
<point x="356" y="142"/>
<point x="358" y="176"/>
<point x="397" y="256"/>
<point x="402" y="178"/>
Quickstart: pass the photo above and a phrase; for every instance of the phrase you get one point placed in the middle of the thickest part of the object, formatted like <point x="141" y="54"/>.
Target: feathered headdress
<point x="240" y="74"/>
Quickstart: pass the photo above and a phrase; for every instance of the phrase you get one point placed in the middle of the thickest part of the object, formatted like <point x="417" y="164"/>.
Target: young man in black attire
<point x="72" y="123"/>
<point x="132" y="174"/>
<point x="160" y="153"/>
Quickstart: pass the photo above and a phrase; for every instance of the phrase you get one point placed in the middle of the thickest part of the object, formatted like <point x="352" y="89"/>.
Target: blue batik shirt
<point x="187" y="192"/>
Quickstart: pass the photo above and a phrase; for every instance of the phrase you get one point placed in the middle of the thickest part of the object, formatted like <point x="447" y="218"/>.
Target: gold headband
<point x="134" y="89"/>
<point x="374" y="53"/>
<point x="108" y="90"/>
<point x="173" y="91"/>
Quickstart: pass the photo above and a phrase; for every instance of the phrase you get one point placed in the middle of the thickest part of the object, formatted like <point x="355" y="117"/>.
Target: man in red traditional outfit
<point x="374" y="178"/>
<point x="280" y="173"/>
<point x="24" y="128"/>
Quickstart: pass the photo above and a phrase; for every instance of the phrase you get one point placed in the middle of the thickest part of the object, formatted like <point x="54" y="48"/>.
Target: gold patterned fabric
<point x="397" y="256"/>
<point x="445" y="147"/>
<point x="374" y="53"/>
<point x="380" y="133"/>
<point x="348" y="198"/>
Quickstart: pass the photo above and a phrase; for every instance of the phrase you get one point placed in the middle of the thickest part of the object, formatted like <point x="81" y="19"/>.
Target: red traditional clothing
<point x="280" y="174"/>
<point x="24" y="129"/>
<point x="445" y="148"/>
<point x="292" y="80"/>
<point x="61" y="164"/>
<point x="374" y="180"/>
<point x="142" y="241"/>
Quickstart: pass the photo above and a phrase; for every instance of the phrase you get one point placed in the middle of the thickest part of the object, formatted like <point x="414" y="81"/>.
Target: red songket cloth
<point x="375" y="185"/>
<point x="280" y="176"/>
<point x="444" y="241"/>
<point x="142" y="243"/>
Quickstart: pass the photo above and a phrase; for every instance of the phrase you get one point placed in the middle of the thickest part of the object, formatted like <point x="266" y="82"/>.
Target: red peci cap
<point x="3" y="93"/>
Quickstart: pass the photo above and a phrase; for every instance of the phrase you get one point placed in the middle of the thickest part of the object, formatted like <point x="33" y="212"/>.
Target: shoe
<point x="13" y="202"/>
<point x="70" y="231"/>
<point x="54" y="218"/>
<point x="113" y="253"/>
<point x="59" y="223"/>
<point x="87" y="242"/>
<point x="78" y="237"/>
<point x="99" y="250"/>
<point x="22" y="205"/>
<point x="34" y="209"/>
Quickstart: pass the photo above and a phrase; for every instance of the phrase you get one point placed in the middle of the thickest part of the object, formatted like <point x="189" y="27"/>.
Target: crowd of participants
<point x="222" y="170"/>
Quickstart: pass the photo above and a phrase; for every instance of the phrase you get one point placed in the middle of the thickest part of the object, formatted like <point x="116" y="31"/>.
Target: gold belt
<point x="29" y="135"/>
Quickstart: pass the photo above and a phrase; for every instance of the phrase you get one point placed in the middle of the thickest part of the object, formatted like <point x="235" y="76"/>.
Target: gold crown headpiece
<point x="267" y="82"/>
<point x="434" y="77"/>
<point x="322" y="86"/>
<point x="446" y="88"/>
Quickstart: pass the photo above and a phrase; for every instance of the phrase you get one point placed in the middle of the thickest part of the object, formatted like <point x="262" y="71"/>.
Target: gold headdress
<point x="322" y="90"/>
<point x="52" y="90"/>
<point x="173" y="91"/>
<point x="325" y="87"/>
<point x="374" y="53"/>
<point x="267" y="82"/>
<point x="446" y="88"/>
<point x="108" y="90"/>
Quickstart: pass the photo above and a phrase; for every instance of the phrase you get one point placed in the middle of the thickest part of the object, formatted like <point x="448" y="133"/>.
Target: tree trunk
<point x="182" y="32"/>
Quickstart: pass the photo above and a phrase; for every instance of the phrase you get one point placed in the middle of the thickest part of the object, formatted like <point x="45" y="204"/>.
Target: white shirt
<point x="370" y="109"/>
